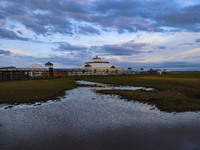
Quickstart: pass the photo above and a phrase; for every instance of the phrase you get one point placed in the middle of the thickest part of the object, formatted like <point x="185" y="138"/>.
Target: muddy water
<point x="87" y="120"/>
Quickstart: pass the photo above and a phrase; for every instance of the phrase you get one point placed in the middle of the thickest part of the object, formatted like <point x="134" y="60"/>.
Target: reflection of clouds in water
<point x="101" y="86"/>
<point x="88" y="119"/>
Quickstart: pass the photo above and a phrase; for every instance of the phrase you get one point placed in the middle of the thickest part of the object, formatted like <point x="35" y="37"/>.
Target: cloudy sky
<point x="128" y="33"/>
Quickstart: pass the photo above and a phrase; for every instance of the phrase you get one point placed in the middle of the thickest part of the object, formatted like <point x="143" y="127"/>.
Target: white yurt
<point x="37" y="66"/>
<point x="97" y="66"/>
<point x="36" y="70"/>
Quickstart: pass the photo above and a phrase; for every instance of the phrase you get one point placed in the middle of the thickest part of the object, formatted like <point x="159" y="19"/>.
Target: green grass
<point x="176" y="92"/>
<point x="28" y="91"/>
<point x="184" y="72"/>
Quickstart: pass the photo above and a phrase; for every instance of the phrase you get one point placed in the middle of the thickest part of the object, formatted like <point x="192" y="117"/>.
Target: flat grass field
<point x="28" y="91"/>
<point x="176" y="92"/>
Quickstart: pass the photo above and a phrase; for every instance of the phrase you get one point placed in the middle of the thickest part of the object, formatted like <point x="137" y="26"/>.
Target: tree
<point x="141" y="69"/>
<point x="129" y="68"/>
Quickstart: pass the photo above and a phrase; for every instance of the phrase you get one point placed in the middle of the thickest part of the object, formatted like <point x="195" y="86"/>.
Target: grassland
<point x="176" y="92"/>
<point x="28" y="91"/>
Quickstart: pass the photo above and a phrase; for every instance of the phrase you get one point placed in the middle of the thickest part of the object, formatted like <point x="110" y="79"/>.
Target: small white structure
<point x="37" y="66"/>
<point x="154" y="71"/>
<point x="36" y="70"/>
<point x="98" y="67"/>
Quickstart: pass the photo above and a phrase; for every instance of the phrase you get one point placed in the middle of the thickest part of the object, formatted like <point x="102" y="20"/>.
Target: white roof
<point x="97" y="60"/>
<point x="97" y="63"/>
<point x="35" y="66"/>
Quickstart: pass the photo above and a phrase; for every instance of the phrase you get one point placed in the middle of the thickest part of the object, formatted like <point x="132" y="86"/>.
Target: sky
<point x="127" y="33"/>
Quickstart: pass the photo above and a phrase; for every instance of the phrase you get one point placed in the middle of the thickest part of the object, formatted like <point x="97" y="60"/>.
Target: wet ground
<point x="87" y="120"/>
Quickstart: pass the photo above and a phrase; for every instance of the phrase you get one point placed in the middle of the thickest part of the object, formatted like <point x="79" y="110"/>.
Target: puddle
<point x="85" y="119"/>
<point x="102" y="86"/>
<point x="87" y="82"/>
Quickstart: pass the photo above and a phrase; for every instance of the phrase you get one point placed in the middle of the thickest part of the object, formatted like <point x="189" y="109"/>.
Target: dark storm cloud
<point x="128" y="48"/>
<point x="186" y="44"/>
<point x="150" y="15"/>
<point x="3" y="52"/>
<point x="63" y="47"/>
<point x="46" y="17"/>
<point x="51" y="23"/>
<point x="9" y="34"/>
<point x="86" y="29"/>
<point x="161" y="47"/>
<point x="126" y="16"/>
<point x="20" y="32"/>
<point x="186" y="18"/>
<point x="42" y="17"/>
<point x="197" y="40"/>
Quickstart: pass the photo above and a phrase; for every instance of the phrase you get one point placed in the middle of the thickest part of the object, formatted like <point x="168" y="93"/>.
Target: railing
<point x="24" y="69"/>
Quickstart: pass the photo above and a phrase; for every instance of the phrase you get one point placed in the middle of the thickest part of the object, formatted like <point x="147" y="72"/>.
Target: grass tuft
<point x="28" y="91"/>
<point x="176" y="92"/>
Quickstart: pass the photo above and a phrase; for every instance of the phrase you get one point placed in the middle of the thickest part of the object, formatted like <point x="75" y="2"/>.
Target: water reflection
<point x="85" y="119"/>
<point x="102" y="86"/>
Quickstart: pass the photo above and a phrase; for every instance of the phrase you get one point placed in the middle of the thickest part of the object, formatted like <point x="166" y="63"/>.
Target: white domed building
<point x="36" y="70"/>
<point x="98" y="67"/>
<point x="35" y="66"/>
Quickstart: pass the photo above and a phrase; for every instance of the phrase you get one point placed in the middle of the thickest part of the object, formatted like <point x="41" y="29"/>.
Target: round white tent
<point x="97" y="66"/>
<point x="36" y="66"/>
